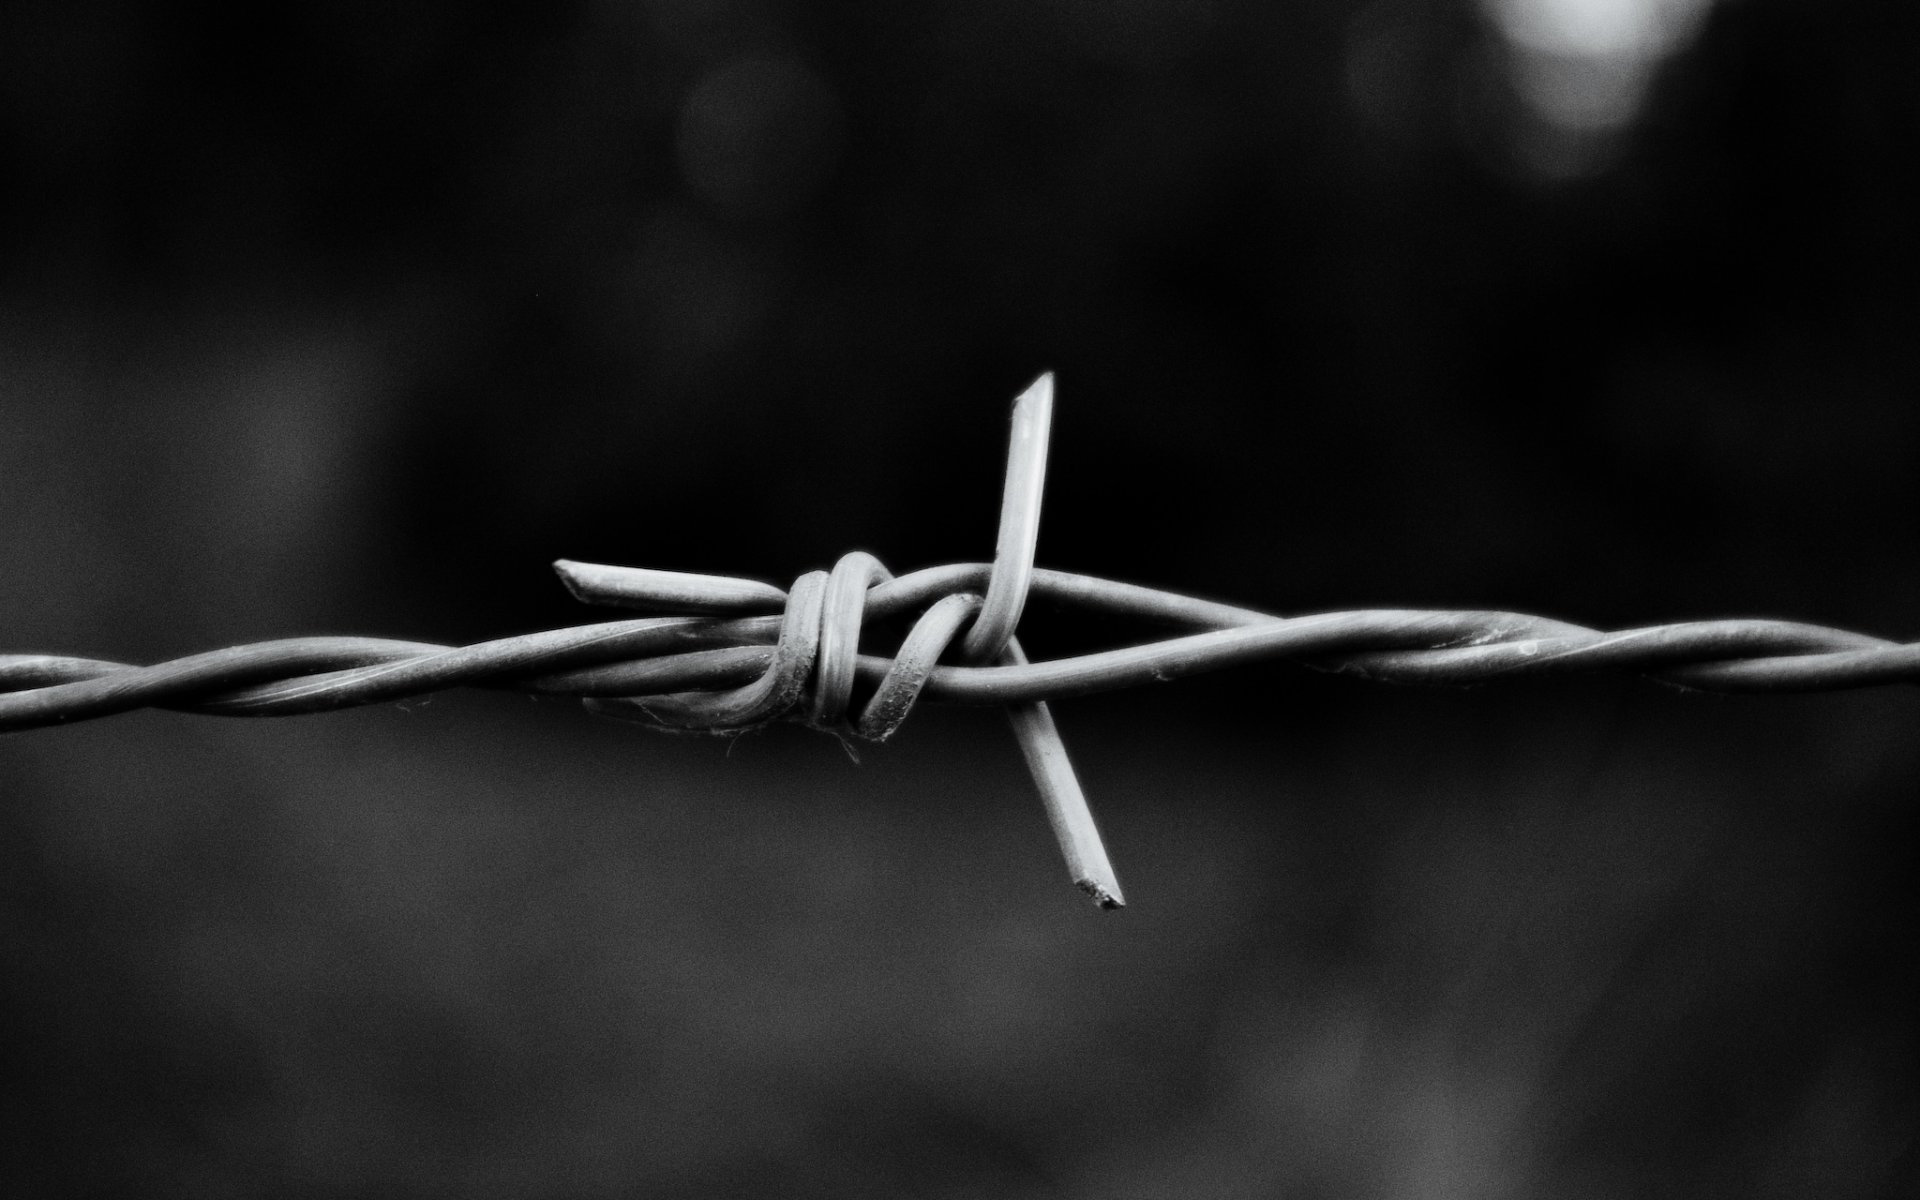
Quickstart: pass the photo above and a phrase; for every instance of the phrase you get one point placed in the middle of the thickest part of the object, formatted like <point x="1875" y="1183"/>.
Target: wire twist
<point x="737" y="654"/>
<point x="667" y="668"/>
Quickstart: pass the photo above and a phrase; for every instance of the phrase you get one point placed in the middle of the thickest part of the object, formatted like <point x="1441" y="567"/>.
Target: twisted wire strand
<point x="721" y="670"/>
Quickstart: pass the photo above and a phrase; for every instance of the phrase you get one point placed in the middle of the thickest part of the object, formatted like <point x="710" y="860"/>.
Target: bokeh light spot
<point x="1582" y="68"/>
<point x="759" y="135"/>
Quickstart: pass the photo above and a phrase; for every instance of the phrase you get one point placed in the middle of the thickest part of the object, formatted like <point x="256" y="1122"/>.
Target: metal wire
<point x="646" y="660"/>
<point x="738" y="653"/>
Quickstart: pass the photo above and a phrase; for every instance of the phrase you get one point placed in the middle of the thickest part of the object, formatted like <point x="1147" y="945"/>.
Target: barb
<point x="991" y="640"/>
<point x="737" y="654"/>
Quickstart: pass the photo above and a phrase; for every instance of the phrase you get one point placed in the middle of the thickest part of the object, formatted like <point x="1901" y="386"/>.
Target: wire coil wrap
<point x="720" y="670"/>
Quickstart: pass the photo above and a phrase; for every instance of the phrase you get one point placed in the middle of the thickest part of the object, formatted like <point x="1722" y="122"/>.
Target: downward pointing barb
<point x="1066" y="803"/>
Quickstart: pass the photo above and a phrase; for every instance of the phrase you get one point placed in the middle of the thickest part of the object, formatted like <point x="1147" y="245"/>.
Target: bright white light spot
<point x="1639" y="29"/>
<point x="1583" y="66"/>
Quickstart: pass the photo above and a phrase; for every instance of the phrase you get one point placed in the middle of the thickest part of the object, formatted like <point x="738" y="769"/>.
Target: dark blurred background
<point x="350" y="317"/>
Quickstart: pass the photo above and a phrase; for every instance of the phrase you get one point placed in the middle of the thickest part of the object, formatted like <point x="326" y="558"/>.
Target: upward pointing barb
<point x="1019" y="523"/>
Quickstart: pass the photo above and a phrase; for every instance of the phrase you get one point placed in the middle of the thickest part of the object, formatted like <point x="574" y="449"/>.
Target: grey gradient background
<point x="349" y="318"/>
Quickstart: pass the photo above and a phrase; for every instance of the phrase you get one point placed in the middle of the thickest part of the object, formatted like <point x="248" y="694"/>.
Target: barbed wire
<point x="736" y="654"/>
<point x="657" y="666"/>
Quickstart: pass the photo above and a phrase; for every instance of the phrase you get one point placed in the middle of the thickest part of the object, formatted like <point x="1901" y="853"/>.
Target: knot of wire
<point x="810" y="671"/>
<point x="815" y="658"/>
<point x="737" y="654"/>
